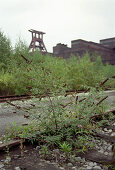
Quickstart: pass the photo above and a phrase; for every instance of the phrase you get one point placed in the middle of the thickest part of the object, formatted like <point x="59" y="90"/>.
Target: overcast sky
<point x="61" y="20"/>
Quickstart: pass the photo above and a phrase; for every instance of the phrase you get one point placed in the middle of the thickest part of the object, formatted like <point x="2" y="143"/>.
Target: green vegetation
<point x="66" y="148"/>
<point x="5" y="50"/>
<point x="67" y="125"/>
<point x="45" y="151"/>
<point x="19" y="76"/>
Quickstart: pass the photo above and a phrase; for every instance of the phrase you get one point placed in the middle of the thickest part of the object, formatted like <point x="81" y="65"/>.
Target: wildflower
<point x="79" y="126"/>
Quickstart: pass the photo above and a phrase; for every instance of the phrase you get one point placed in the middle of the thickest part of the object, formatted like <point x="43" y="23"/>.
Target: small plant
<point x="7" y="150"/>
<point x="45" y="151"/>
<point x="72" y="158"/>
<point x="66" y="148"/>
<point x="111" y="167"/>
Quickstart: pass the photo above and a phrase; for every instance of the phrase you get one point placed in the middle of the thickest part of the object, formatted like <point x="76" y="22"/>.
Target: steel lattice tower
<point x="37" y="41"/>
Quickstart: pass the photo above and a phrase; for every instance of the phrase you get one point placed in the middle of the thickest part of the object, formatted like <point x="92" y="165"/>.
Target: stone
<point x="102" y="132"/>
<point x="2" y="160"/>
<point x="109" y="148"/>
<point x="105" y="147"/>
<point x="25" y="151"/>
<point x="101" y="151"/>
<point x="89" y="168"/>
<point x="99" y="144"/>
<point x="69" y="164"/>
<point x="48" y="162"/>
<point x="74" y="168"/>
<point x="106" y="153"/>
<point x="37" y="147"/>
<point x="97" y="147"/>
<point x="1" y="165"/>
<point x="78" y="159"/>
<point x="61" y="168"/>
<point x="104" y="143"/>
<point x="83" y="160"/>
<point x="16" y="156"/>
<point x="110" y="153"/>
<point x="53" y="163"/>
<point x="17" y="168"/>
<point x="113" y="134"/>
<point x="105" y="129"/>
<point x="96" y="168"/>
<point x="110" y="130"/>
<point x="91" y="164"/>
<point x="41" y="164"/>
<point x="8" y="159"/>
<point x="95" y="164"/>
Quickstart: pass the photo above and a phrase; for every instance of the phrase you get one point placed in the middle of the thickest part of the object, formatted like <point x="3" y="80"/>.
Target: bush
<point x="7" y="84"/>
<point x="82" y="73"/>
<point x="44" y="74"/>
<point x="47" y="74"/>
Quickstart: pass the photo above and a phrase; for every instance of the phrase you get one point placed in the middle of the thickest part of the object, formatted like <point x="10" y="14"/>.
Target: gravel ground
<point x="32" y="158"/>
<point x="9" y="115"/>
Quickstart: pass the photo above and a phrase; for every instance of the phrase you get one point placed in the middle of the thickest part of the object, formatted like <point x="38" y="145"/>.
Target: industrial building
<point x="105" y="49"/>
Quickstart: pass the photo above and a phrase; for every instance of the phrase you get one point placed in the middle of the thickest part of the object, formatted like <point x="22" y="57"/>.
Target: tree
<point x="5" y="48"/>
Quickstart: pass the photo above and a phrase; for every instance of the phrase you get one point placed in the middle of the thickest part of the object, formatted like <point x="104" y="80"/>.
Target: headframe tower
<point x="37" y="41"/>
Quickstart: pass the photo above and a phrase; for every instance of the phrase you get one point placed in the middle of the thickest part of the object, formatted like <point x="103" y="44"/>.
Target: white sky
<point x="61" y="20"/>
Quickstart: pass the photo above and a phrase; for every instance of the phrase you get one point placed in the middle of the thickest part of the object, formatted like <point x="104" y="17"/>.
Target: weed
<point x="45" y="151"/>
<point x="66" y="148"/>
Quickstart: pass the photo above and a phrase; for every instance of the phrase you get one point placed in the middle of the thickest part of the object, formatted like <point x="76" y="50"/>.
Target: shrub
<point x="7" y="85"/>
<point x="73" y="125"/>
<point x="82" y="73"/>
<point x="44" y="74"/>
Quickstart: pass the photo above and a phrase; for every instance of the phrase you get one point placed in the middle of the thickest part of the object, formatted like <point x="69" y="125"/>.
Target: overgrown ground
<point x="69" y="126"/>
<point x="71" y="120"/>
<point x="61" y="128"/>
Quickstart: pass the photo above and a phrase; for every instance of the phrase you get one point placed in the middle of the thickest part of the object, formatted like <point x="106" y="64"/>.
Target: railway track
<point x="13" y="98"/>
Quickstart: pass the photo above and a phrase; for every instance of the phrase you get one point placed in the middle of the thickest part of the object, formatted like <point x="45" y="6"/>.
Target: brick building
<point x="105" y="49"/>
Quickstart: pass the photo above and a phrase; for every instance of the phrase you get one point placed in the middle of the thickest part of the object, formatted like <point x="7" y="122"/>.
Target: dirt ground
<point x="28" y="160"/>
